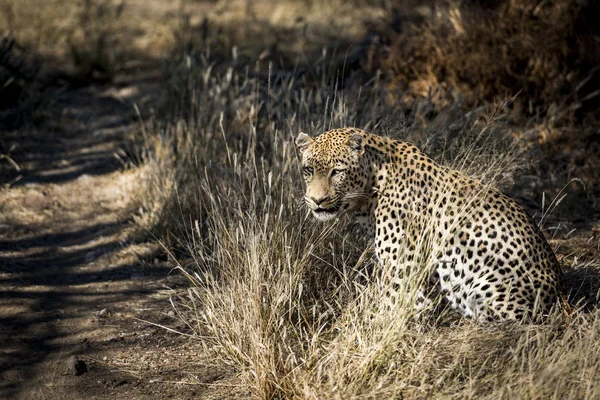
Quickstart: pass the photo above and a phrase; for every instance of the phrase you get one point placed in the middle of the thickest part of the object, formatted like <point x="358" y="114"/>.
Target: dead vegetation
<point x="292" y="307"/>
<point x="89" y="41"/>
<point x="468" y="54"/>
<point x="547" y="52"/>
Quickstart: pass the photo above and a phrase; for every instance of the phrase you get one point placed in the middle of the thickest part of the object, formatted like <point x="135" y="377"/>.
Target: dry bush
<point x="24" y="100"/>
<point x="95" y="46"/>
<point x="41" y="41"/>
<point x="83" y="39"/>
<point x="445" y="55"/>
<point x="21" y="90"/>
<point x="43" y="26"/>
<point x="546" y="51"/>
<point x="294" y="307"/>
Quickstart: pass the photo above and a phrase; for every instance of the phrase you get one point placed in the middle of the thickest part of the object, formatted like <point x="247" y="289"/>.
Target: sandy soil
<point x="76" y="278"/>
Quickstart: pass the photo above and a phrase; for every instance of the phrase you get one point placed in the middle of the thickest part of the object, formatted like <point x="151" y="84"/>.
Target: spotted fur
<point x="491" y="261"/>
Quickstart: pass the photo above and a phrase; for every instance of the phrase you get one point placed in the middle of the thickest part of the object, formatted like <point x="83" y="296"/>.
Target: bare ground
<point x="76" y="278"/>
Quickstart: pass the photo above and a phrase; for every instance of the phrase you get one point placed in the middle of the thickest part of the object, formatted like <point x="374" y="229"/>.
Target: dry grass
<point x="21" y="92"/>
<point x="548" y="51"/>
<point x="44" y="42"/>
<point x="464" y="55"/>
<point x="81" y="34"/>
<point x="294" y="306"/>
<point x="90" y="40"/>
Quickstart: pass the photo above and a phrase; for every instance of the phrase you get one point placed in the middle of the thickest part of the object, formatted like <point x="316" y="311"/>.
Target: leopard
<point x="489" y="259"/>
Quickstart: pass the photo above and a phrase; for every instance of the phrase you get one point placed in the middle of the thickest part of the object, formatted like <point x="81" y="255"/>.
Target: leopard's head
<point x="333" y="171"/>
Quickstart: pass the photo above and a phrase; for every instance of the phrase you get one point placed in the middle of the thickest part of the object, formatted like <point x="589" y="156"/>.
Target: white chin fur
<point x="325" y="216"/>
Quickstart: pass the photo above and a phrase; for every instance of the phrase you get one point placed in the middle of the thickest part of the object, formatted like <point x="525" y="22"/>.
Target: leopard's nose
<point x="320" y="200"/>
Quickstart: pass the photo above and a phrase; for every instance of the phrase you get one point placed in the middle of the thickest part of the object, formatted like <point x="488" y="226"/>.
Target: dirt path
<point x="71" y="280"/>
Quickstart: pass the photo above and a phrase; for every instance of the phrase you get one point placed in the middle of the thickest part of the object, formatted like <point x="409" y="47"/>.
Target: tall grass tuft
<point x="296" y="308"/>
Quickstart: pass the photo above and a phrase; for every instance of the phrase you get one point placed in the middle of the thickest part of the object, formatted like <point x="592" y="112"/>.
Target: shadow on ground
<point x="68" y="249"/>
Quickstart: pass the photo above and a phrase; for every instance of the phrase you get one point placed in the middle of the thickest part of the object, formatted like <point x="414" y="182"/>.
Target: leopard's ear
<point x="357" y="143"/>
<point x="303" y="141"/>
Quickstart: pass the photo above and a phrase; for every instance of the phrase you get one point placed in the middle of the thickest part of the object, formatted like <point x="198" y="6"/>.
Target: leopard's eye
<point x="336" y="171"/>
<point x="308" y="171"/>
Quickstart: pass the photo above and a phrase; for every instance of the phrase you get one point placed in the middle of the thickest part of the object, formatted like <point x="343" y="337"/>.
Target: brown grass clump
<point x="77" y="38"/>
<point x="548" y="52"/>
<point x="21" y="90"/>
<point x="440" y="58"/>
<point x="294" y="307"/>
<point x="87" y="41"/>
